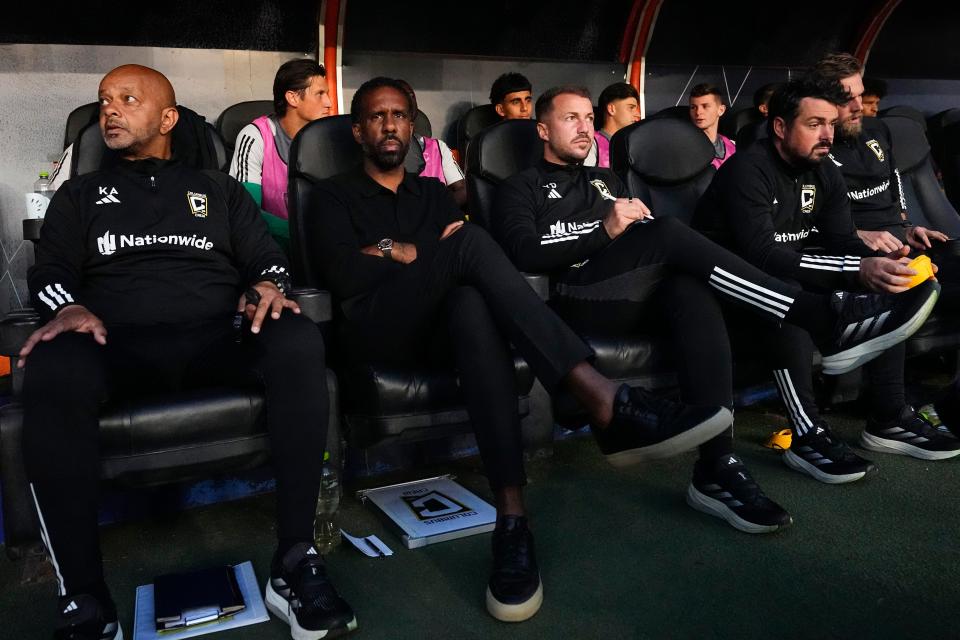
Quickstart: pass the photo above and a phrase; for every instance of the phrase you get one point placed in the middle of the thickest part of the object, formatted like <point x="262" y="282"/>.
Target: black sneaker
<point x="725" y="488"/>
<point x="648" y="427"/>
<point x="869" y="323"/>
<point x="514" y="593"/>
<point x="910" y="435"/>
<point x="819" y="454"/>
<point x="300" y="593"/>
<point x="84" y="617"/>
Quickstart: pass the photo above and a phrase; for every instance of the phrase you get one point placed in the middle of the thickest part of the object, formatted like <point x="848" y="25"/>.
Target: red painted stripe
<point x="643" y="41"/>
<point x="872" y="27"/>
<point x="331" y="20"/>
<point x="630" y="30"/>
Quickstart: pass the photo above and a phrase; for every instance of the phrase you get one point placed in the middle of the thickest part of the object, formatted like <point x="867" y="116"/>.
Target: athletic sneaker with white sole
<point x="84" y="617"/>
<point x="514" y="592"/>
<point x="819" y="454"/>
<point x="648" y="427"/>
<point x="724" y="488"/>
<point x="910" y="435"/>
<point x="300" y="593"/>
<point x="869" y="323"/>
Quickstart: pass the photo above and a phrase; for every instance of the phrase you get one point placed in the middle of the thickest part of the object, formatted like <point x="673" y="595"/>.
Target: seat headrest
<point x="910" y="146"/>
<point x="473" y="122"/>
<point x="679" y="112"/>
<point x="504" y="149"/>
<point x="324" y="148"/>
<point x="662" y="150"/>
<point x="78" y="119"/>
<point x="422" y="126"/>
<point x="903" y="111"/>
<point x="733" y="121"/>
<point x="944" y="119"/>
<point x="237" y="116"/>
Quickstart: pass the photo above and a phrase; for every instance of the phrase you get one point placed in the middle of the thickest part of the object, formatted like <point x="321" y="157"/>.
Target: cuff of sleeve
<point x="279" y="276"/>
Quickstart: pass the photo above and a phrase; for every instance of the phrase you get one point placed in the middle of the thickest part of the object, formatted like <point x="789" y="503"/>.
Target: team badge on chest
<point x="198" y="204"/>
<point x="808" y="197"/>
<point x="874" y="146"/>
<point x="602" y="188"/>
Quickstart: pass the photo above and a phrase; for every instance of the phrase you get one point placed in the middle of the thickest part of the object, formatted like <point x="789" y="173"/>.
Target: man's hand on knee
<point x="269" y="299"/>
<point x="75" y="318"/>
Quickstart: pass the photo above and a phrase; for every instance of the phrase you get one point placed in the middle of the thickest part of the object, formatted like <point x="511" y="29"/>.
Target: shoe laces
<point x="860" y="306"/>
<point x="642" y="401"/>
<point x="837" y="450"/>
<point x="512" y="550"/>
<point x="736" y="478"/>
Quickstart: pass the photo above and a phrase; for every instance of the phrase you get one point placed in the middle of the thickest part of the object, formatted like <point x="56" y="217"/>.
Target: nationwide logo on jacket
<point x="107" y="243"/>
<point x="563" y="231"/>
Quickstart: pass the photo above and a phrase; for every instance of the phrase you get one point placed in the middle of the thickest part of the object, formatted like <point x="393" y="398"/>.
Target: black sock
<point x="721" y="445"/>
<point x="812" y="312"/>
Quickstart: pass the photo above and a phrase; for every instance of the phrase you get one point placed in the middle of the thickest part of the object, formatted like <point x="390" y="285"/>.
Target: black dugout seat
<point x="751" y="133"/>
<point x="236" y="117"/>
<point x="473" y="122"/>
<point x="904" y="111"/>
<point x="78" y="119"/>
<point x="733" y="121"/>
<point x="947" y="148"/>
<point x="385" y="404"/>
<point x="154" y="439"/>
<point x="666" y="163"/>
<point x="422" y="126"/>
<point x="678" y="112"/>
<point x="508" y="148"/>
<point x="926" y="206"/>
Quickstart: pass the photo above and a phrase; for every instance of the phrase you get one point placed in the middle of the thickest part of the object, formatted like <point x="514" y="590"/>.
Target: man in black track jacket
<point x="139" y="272"/>
<point x="784" y="207"/>
<point x="862" y="152"/>
<point x="616" y="270"/>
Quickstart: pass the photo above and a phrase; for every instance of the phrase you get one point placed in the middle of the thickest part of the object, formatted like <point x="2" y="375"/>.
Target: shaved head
<point x="137" y="112"/>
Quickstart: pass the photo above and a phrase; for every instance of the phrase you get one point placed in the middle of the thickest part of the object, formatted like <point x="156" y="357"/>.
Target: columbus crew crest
<point x="808" y="197"/>
<point x="602" y="188"/>
<point x="874" y="146"/>
<point x="198" y="204"/>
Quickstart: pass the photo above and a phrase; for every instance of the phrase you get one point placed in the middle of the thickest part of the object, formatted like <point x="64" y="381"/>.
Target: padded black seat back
<point x="733" y="121"/>
<point x="194" y="141"/>
<point x="903" y="111"/>
<point x="495" y="154"/>
<point x="422" y="126"/>
<point x="78" y="119"/>
<point x="679" y="112"/>
<point x="473" y="122"/>
<point x="320" y="150"/>
<point x="926" y="203"/>
<point x="666" y="163"/>
<point x="751" y="133"/>
<point x="237" y="116"/>
<point x="936" y="125"/>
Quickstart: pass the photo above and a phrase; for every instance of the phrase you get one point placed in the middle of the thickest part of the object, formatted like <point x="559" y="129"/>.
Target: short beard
<point x="390" y="160"/>
<point x="850" y="129"/>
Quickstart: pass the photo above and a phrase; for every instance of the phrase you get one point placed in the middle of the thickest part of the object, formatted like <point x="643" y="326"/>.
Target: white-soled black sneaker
<point x="825" y="458"/>
<point x="724" y="488"/>
<point x="84" y="617"/>
<point x="910" y="435"/>
<point x="869" y="323"/>
<point x="300" y="593"/>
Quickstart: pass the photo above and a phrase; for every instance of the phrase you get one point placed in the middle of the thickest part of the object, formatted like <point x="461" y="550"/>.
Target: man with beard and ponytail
<point x="863" y="153"/>
<point x="770" y="203"/>
<point x="139" y="274"/>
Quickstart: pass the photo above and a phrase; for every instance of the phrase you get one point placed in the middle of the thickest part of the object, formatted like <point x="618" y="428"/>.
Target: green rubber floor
<point x="621" y="554"/>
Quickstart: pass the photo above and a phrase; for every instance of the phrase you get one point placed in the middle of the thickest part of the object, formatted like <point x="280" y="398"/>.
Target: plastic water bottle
<point x="326" y="531"/>
<point x="38" y="201"/>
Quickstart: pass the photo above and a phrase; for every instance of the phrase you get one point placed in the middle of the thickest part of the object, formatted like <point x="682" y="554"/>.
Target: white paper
<point x="36" y="204"/>
<point x="370" y="546"/>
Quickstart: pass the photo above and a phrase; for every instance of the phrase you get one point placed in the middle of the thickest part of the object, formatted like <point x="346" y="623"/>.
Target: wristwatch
<point x="386" y="247"/>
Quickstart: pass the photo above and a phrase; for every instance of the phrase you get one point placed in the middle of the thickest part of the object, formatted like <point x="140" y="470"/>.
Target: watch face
<point x="385" y="244"/>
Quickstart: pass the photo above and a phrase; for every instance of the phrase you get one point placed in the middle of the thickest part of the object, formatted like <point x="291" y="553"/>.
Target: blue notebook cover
<point x="145" y="626"/>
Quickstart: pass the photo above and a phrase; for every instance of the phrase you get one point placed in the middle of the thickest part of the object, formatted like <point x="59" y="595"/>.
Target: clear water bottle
<point x="326" y="531"/>
<point x="38" y="201"/>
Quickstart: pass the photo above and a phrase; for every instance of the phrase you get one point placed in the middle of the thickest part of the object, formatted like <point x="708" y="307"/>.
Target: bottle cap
<point x="44" y="174"/>
<point x="326" y="456"/>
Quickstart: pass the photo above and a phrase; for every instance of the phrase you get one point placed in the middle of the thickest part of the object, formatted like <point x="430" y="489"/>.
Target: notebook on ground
<point x="254" y="611"/>
<point x="432" y="510"/>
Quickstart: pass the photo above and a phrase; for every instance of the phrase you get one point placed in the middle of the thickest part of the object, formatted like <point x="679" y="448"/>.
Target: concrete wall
<point x="41" y="84"/>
